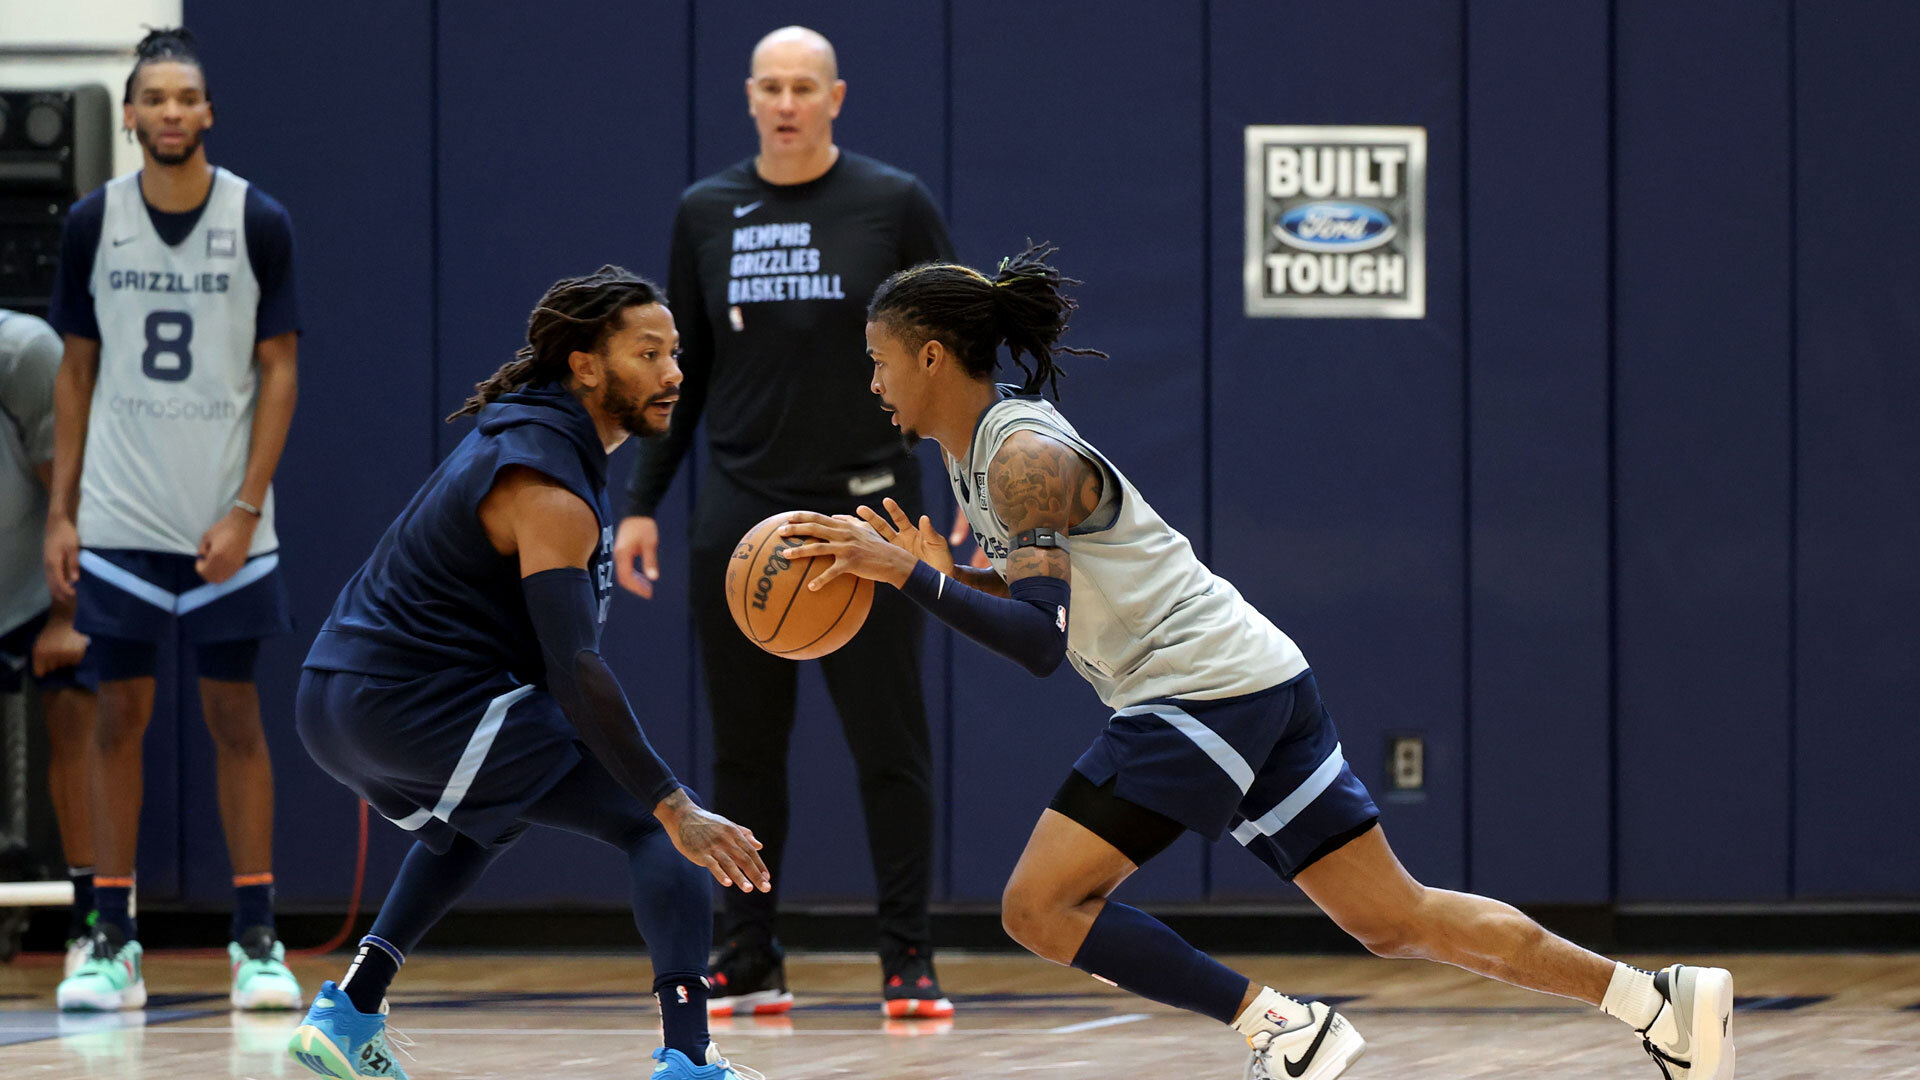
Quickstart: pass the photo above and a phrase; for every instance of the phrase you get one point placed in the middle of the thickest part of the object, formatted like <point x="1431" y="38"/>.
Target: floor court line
<point x="1105" y="1021"/>
<point x="654" y="1032"/>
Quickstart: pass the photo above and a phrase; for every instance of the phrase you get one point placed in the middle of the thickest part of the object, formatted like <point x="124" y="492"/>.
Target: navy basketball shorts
<point x="1265" y="767"/>
<point x="16" y="662"/>
<point x="455" y="751"/>
<point x="129" y="599"/>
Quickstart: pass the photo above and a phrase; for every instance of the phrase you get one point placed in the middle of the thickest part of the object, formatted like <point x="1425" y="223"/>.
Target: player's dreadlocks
<point x="972" y="314"/>
<point x="168" y="44"/>
<point x="576" y="315"/>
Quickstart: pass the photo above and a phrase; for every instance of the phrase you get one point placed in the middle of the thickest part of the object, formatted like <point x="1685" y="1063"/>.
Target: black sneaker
<point x="749" y="980"/>
<point x="909" y="989"/>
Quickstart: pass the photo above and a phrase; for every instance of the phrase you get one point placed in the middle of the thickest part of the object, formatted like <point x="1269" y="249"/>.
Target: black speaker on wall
<point x="56" y="144"/>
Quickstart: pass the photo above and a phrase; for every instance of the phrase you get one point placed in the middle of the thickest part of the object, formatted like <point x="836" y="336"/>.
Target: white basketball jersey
<point x="1149" y="620"/>
<point x="172" y="412"/>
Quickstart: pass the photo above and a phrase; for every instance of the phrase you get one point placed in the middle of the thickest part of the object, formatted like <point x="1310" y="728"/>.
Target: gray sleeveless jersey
<point x="1149" y="620"/>
<point x="172" y="413"/>
<point x="29" y="357"/>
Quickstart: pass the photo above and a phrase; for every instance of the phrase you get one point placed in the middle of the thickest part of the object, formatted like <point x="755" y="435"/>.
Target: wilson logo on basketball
<point x="776" y="562"/>
<point x="768" y="597"/>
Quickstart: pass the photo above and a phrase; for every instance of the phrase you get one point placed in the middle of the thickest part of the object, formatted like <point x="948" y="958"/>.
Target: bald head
<point x="796" y="47"/>
<point x="794" y="95"/>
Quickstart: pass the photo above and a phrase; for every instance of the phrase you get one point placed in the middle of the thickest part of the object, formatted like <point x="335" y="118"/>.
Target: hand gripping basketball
<point x="857" y="548"/>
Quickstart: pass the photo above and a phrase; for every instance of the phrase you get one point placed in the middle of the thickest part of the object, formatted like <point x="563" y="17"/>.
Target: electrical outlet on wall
<point x="1407" y="762"/>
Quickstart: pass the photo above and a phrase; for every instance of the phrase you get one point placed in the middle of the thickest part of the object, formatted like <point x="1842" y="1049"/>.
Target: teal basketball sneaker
<point x="260" y="976"/>
<point x="339" y="1041"/>
<point x="108" y="979"/>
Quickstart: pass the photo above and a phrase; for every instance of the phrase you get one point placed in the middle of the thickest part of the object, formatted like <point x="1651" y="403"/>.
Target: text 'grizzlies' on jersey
<point x="172" y="413"/>
<point x="1149" y="620"/>
<point x="435" y="595"/>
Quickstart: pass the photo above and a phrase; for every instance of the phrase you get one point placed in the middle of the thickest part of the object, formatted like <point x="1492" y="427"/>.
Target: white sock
<point x="1632" y="998"/>
<point x="1271" y="1011"/>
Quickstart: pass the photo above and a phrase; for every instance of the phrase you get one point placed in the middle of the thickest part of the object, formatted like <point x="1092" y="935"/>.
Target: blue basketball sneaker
<point x="339" y="1041"/>
<point x="674" y="1065"/>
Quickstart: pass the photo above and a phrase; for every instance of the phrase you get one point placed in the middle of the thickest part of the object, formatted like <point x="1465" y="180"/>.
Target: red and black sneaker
<point x="748" y="980"/>
<point x="910" y="989"/>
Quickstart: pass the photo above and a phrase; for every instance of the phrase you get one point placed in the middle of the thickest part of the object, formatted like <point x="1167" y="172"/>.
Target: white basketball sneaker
<point x="1691" y="1037"/>
<point x="1320" y="1050"/>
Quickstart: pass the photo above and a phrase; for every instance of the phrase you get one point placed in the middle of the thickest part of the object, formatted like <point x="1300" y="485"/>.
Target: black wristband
<point x="1042" y="537"/>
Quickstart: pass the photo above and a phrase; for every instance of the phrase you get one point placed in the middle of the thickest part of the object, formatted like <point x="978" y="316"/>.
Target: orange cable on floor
<point x="353" y="899"/>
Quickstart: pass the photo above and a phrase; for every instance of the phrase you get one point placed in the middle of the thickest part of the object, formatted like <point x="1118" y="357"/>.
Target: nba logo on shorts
<point x="681" y="992"/>
<point x="221" y="243"/>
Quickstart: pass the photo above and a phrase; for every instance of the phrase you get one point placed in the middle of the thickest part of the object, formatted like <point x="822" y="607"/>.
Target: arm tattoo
<point x="1035" y="481"/>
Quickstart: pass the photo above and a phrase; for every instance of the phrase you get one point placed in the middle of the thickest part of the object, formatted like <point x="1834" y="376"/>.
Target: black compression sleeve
<point x="562" y="606"/>
<point x="1029" y="629"/>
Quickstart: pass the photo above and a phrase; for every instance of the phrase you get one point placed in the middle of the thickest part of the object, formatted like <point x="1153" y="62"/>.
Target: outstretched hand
<point x="921" y="541"/>
<point x="728" y="851"/>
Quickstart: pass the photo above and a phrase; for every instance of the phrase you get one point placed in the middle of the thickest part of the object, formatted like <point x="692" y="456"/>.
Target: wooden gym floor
<point x="1825" y="1016"/>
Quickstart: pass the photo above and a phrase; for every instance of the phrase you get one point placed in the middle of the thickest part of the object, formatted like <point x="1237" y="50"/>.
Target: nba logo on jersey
<point x="222" y="243"/>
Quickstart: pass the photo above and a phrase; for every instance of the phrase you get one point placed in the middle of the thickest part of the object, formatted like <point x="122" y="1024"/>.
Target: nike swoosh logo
<point x="1296" y="1068"/>
<point x="743" y="211"/>
<point x="128" y="240"/>
<point x="1682" y="1037"/>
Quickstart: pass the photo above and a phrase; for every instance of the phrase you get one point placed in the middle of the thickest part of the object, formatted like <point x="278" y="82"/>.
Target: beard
<point x="178" y="157"/>
<point x="630" y="410"/>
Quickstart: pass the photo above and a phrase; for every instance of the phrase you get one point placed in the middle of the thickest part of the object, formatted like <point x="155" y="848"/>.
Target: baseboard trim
<point x="1631" y="928"/>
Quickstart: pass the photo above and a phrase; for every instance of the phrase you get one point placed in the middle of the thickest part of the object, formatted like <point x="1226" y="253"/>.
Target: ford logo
<point x="1334" y="226"/>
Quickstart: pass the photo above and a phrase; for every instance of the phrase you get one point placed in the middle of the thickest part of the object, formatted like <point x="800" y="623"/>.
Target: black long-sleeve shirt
<point x="769" y="286"/>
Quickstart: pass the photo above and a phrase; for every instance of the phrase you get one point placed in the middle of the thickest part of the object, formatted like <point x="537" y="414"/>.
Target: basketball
<point x="768" y="595"/>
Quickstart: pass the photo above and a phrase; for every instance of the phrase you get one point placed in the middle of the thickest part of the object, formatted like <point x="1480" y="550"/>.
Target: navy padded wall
<point x="1421" y="503"/>
<point x="1537" y="84"/>
<point x="1337" y="443"/>
<point x="1858" y="454"/>
<point x="1701" y="365"/>
<point x="893" y="61"/>
<point x="361" y="440"/>
<point x="1130" y="223"/>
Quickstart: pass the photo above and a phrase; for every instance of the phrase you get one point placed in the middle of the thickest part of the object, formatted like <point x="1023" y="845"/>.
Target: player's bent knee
<point x="1021" y="916"/>
<point x="1031" y="917"/>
